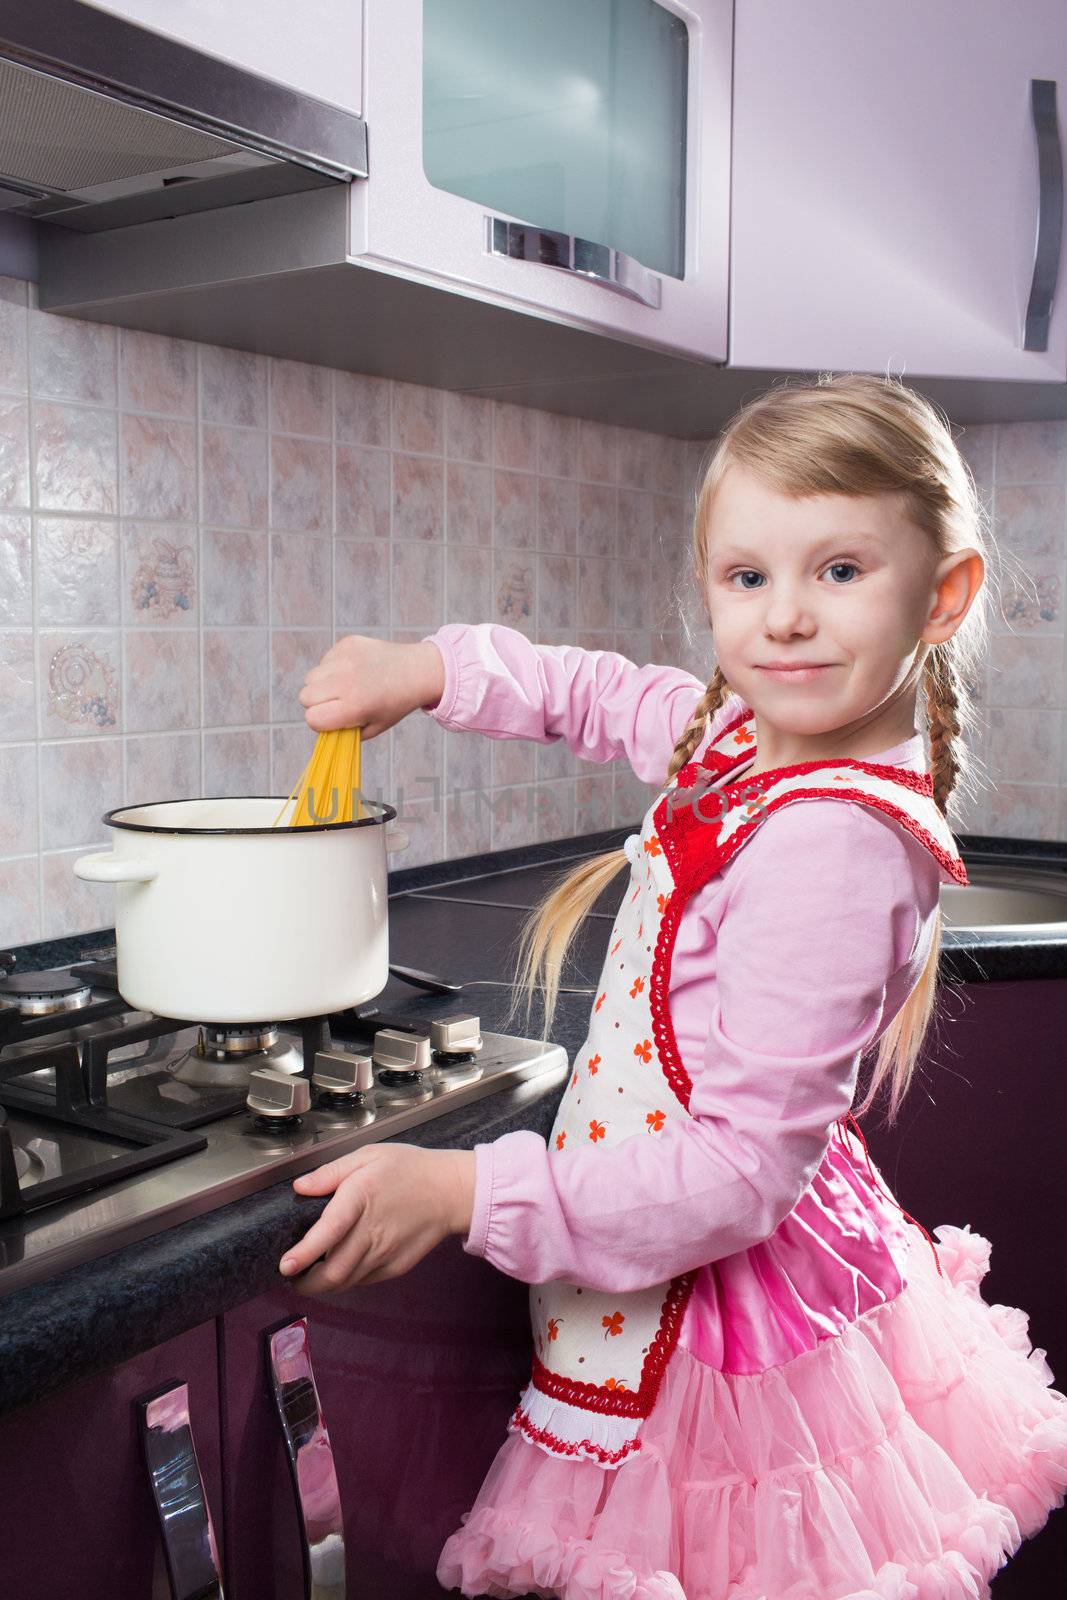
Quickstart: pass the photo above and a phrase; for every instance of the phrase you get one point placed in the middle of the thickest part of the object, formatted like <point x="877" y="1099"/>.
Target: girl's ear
<point x="958" y="579"/>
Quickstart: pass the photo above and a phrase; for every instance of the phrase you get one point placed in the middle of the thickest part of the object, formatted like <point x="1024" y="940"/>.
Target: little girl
<point x="754" y="1377"/>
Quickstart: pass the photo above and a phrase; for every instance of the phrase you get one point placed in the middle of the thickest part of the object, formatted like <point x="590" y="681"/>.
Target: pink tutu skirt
<point x="905" y="1458"/>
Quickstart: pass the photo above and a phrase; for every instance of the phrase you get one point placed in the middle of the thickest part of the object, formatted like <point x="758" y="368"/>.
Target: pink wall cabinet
<point x="573" y="161"/>
<point x="894" y="205"/>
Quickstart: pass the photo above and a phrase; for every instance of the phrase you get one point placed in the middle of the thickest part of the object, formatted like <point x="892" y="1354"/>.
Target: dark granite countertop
<point x="146" y="1292"/>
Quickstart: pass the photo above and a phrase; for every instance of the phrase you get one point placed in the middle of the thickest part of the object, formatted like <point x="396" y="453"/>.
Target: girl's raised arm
<point x="604" y="706"/>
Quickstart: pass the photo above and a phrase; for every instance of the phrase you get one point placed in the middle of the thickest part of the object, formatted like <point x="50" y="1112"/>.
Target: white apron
<point x="599" y="1357"/>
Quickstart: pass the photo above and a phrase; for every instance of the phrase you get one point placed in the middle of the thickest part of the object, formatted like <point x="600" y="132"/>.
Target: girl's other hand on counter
<point x="391" y="1204"/>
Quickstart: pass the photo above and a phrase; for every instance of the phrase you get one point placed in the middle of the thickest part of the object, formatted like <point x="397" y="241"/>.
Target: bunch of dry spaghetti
<point x="328" y="790"/>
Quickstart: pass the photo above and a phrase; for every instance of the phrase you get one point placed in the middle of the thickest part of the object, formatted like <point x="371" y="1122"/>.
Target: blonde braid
<point x="717" y="691"/>
<point x="944" y="691"/>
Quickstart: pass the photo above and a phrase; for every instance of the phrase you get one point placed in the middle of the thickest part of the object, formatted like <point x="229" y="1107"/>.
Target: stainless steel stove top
<point x="119" y="1125"/>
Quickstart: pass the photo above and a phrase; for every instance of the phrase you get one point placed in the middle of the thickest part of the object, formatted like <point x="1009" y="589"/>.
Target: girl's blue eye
<point x="834" y="567"/>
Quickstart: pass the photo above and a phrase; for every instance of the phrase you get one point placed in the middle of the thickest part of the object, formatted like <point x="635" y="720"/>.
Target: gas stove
<point x="116" y="1124"/>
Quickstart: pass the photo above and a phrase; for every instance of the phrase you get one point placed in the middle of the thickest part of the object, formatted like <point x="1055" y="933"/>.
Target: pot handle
<point x="396" y="839"/>
<point x="105" y="867"/>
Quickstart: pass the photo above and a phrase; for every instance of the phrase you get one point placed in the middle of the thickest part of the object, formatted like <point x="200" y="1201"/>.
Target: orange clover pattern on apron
<point x="597" y="1369"/>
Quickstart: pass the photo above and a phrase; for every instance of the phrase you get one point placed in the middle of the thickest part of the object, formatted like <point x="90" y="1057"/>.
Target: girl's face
<point x="843" y="582"/>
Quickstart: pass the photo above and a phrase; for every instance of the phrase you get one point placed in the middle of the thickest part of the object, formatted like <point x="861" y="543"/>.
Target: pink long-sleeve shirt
<point x="788" y="965"/>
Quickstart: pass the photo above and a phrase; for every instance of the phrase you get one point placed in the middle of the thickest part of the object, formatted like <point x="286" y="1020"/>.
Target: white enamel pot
<point x="220" y="917"/>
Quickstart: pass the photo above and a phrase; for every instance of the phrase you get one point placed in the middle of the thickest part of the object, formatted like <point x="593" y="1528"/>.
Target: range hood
<point x="104" y="124"/>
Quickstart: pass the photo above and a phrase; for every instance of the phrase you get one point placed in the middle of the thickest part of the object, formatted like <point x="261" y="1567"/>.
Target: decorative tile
<point x="16" y="570"/>
<point x="468" y="823"/>
<point x="469" y="583"/>
<point x="362" y="408"/>
<point x="233" y="387"/>
<point x="557" y="516"/>
<point x="364" y="492"/>
<point x="362" y="576"/>
<point x="293" y="652"/>
<point x="80" y="781"/>
<point x="514" y="588"/>
<point x="157" y="374"/>
<point x="1031" y="452"/>
<point x="1030" y="600"/>
<point x="557" y="587"/>
<point x="160" y="582"/>
<point x="976" y="443"/>
<point x="418" y="585"/>
<point x="423" y="822"/>
<point x="77" y="457"/>
<point x="554" y="810"/>
<point x="1028" y="744"/>
<point x="235" y="586"/>
<point x="13" y="344"/>
<point x="554" y="760"/>
<point x="511" y="762"/>
<point x="236" y="676"/>
<point x="515" y="510"/>
<point x="237" y="761"/>
<point x="18" y="713"/>
<point x="20" y="901"/>
<point x="77" y="572"/>
<point x="597" y="452"/>
<point x="81" y="690"/>
<point x="162" y="766"/>
<point x="418" y="419"/>
<point x="301" y="581"/>
<point x="469" y="509"/>
<point x="468" y="428"/>
<point x="301" y="398"/>
<point x="159" y="469"/>
<point x="467" y="758"/>
<point x="1026" y="672"/>
<point x="1032" y="522"/>
<point x="71" y="905"/>
<point x="514" y="817"/>
<point x="595" y="593"/>
<point x="73" y="360"/>
<point x="557" y="445"/>
<point x="634" y="536"/>
<point x="18" y="799"/>
<point x="514" y="436"/>
<point x="300" y="485"/>
<point x="593" y="803"/>
<point x="162" y="679"/>
<point x="418" y="497"/>
<point x="631" y="604"/>
<point x="596" y="520"/>
<point x="235" y="477"/>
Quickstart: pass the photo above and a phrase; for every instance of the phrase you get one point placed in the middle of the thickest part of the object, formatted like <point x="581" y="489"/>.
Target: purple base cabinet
<point x="416" y="1378"/>
<point x="979" y="1140"/>
<point x="78" y="1517"/>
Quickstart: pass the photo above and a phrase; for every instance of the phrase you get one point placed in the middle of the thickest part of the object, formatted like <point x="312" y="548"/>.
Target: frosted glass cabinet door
<point x="569" y="159"/>
<point x="886" y="186"/>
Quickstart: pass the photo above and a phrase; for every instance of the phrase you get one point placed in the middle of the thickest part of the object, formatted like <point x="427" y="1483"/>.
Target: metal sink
<point x="1008" y="899"/>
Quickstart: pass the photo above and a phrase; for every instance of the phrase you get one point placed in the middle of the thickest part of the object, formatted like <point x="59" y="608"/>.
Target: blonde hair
<point x="853" y="434"/>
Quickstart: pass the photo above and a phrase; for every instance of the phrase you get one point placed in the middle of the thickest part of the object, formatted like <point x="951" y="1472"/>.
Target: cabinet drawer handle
<point x="1049" y="213"/>
<point x="522" y="241"/>
<point x="307" y="1445"/>
<point x="178" y="1490"/>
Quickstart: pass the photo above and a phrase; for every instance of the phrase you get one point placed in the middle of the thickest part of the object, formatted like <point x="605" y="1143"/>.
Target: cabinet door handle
<point x="522" y="241"/>
<point x="311" y="1463"/>
<point x="1049" y="213"/>
<point x="178" y="1489"/>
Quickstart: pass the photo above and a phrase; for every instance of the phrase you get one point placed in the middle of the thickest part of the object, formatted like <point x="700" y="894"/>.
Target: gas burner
<point x="235" y="1039"/>
<point x="44" y="994"/>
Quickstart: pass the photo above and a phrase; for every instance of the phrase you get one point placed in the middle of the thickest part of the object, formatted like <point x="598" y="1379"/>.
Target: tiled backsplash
<point x="185" y="529"/>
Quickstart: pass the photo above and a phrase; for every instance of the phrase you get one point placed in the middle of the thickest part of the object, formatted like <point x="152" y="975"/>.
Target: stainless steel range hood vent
<point x="103" y="123"/>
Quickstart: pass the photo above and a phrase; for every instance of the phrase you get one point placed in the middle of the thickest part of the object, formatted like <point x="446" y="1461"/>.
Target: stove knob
<point x="338" y="1072"/>
<point x="396" y="1051"/>
<point x="455" y="1036"/>
<point x="277" y="1096"/>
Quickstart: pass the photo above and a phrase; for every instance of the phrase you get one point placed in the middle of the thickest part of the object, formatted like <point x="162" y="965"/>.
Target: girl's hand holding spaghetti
<point x="391" y="1204"/>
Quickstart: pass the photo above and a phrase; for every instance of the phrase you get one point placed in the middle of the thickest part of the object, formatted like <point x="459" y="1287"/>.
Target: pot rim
<point x="111" y="818"/>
